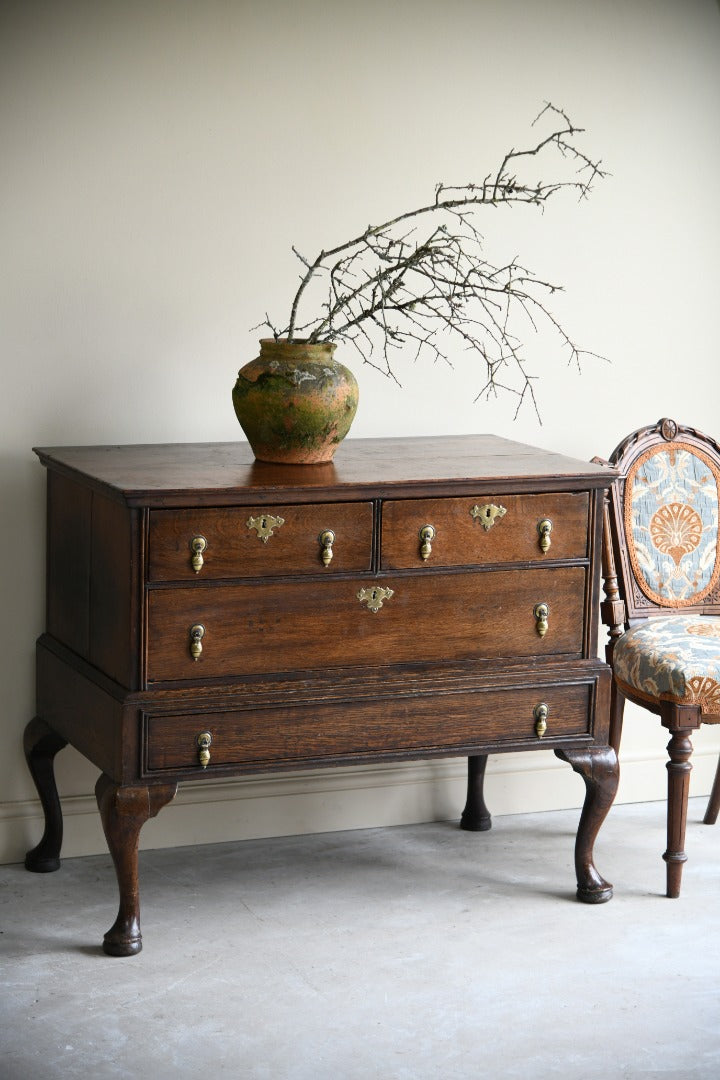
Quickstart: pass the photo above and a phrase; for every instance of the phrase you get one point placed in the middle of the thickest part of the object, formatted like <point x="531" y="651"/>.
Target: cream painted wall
<point x="158" y="160"/>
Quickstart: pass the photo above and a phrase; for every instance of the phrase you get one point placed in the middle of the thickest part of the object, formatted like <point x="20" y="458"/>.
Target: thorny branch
<point x="389" y="288"/>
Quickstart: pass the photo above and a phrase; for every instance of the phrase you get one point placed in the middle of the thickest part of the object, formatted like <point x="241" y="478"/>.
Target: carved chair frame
<point x="627" y="604"/>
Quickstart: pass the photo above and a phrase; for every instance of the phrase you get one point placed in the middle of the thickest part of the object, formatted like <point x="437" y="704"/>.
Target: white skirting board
<point x="349" y="798"/>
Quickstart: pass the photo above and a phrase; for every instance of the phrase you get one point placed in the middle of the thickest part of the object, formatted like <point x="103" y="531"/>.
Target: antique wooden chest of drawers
<point x="208" y="615"/>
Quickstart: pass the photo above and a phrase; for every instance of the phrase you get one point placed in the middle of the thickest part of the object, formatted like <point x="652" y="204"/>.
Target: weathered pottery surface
<point x="295" y="402"/>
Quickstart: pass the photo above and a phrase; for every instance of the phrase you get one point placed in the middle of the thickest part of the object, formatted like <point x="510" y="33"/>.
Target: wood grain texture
<point x="69" y="543"/>
<point x="87" y="710"/>
<point x="115" y="591"/>
<point x="266" y="627"/>
<point x="234" y="550"/>
<point x="192" y="474"/>
<point x="453" y="723"/>
<point x="461" y="540"/>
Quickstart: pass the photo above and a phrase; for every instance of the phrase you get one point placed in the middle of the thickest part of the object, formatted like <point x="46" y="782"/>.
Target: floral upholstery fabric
<point x="673" y="658"/>
<point x="671" y="524"/>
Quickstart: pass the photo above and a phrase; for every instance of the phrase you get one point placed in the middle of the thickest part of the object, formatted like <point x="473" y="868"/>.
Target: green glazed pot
<point x="294" y="402"/>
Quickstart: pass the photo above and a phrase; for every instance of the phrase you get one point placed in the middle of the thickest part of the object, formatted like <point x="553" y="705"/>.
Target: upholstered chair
<point x="661" y="564"/>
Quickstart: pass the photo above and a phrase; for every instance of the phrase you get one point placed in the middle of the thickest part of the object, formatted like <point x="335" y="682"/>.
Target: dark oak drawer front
<point x="275" y="735"/>
<point x="485" y="530"/>
<point x="243" y="541"/>
<point x="263" y="628"/>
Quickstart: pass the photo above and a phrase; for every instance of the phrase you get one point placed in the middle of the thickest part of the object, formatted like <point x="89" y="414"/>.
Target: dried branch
<point x="389" y="288"/>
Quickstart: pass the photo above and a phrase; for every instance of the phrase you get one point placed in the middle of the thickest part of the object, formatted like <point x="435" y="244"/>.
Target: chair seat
<point x="673" y="658"/>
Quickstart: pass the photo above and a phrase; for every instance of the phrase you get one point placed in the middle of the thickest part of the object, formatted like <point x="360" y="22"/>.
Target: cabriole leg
<point x="41" y="744"/>
<point x="598" y="766"/>
<point x="476" y="816"/>
<point x="124" y="811"/>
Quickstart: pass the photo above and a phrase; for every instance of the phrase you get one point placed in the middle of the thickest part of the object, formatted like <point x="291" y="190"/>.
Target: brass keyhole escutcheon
<point x="204" y="740"/>
<point x="197" y="633"/>
<point x="487" y="514"/>
<point x="540" y="712"/>
<point x="264" y="525"/>
<point x="327" y="539"/>
<point x="542" y="614"/>
<point x="427" y="535"/>
<point x="197" y="546"/>
<point x="374" y="598"/>
<point x="544" y="529"/>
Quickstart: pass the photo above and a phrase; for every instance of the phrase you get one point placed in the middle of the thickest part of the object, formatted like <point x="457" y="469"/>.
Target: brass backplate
<point x="373" y="598"/>
<point x="264" y="525"/>
<point x="487" y="514"/>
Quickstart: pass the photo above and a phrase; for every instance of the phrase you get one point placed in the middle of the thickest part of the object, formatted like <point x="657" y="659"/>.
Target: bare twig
<point x="390" y="287"/>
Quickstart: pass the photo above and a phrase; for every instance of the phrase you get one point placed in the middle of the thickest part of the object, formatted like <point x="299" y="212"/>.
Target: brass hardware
<point x="544" y="529"/>
<point x="327" y="539"/>
<point x="264" y="525"/>
<point x="540" y="712"/>
<point x="541" y="613"/>
<point x="203" y="742"/>
<point x="197" y="633"/>
<point x="197" y="546"/>
<point x="487" y="514"/>
<point x="374" y="597"/>
<point x="426" y="534"/>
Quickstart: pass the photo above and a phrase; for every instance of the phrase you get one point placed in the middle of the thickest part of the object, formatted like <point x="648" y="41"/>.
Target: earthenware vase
<point x="295" y="402"/>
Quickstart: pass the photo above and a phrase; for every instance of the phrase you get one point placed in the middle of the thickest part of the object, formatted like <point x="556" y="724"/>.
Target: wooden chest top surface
<point x="205" y="473"/>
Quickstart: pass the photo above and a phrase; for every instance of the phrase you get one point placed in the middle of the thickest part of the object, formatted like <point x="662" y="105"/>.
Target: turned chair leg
<point x="476" y="816"/>
<point x="680" y="720"/>
<point x="123" y="811"/>
<point x="41" y="744"/>
<point x="713" y="805"/>
<point x="679" y="768"/>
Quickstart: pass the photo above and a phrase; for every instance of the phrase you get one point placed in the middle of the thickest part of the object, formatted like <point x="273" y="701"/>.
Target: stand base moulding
<point x="209" y="615"/>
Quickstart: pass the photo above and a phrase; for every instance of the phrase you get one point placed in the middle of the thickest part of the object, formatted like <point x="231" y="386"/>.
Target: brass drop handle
<point x="197" y="633"/>
<point x="544" y="529"/>
<point x="203" y="743"/>
<point x="197" y="546"/>
<point x="327" y="539"/>
<point x="541" y="613"/>
<point x="427" y="535"/>
<point x="540" y="712"/>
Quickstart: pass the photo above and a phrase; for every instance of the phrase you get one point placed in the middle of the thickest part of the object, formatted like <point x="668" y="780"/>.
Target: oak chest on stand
<point x="209" y="615"/>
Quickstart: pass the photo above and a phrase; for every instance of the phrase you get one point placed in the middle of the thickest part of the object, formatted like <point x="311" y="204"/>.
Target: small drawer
<point x="262" y="628"/>
<point x="259" y="541"/>
<point x="454" y="722"/>
<point x="487" y="529"/>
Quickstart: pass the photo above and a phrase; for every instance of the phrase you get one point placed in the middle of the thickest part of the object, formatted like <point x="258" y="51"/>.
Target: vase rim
<point x="298" y="341"/>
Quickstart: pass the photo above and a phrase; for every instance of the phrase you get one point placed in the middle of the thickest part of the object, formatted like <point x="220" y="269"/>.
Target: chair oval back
<point x="665" y="510"/>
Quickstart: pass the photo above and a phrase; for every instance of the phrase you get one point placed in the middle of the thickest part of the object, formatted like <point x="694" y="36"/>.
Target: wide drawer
<point x="288" y="626"/>
<point x="487" y="529"/>
<point x="452" y="722"/>
<point x="252" y="541"/>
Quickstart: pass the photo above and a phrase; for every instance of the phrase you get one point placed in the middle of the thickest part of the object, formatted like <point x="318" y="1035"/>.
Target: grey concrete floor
<point x="403" y="954"/>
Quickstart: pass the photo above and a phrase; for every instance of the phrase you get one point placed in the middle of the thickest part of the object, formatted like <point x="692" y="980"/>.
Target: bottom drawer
<point x="449" y="722"/>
